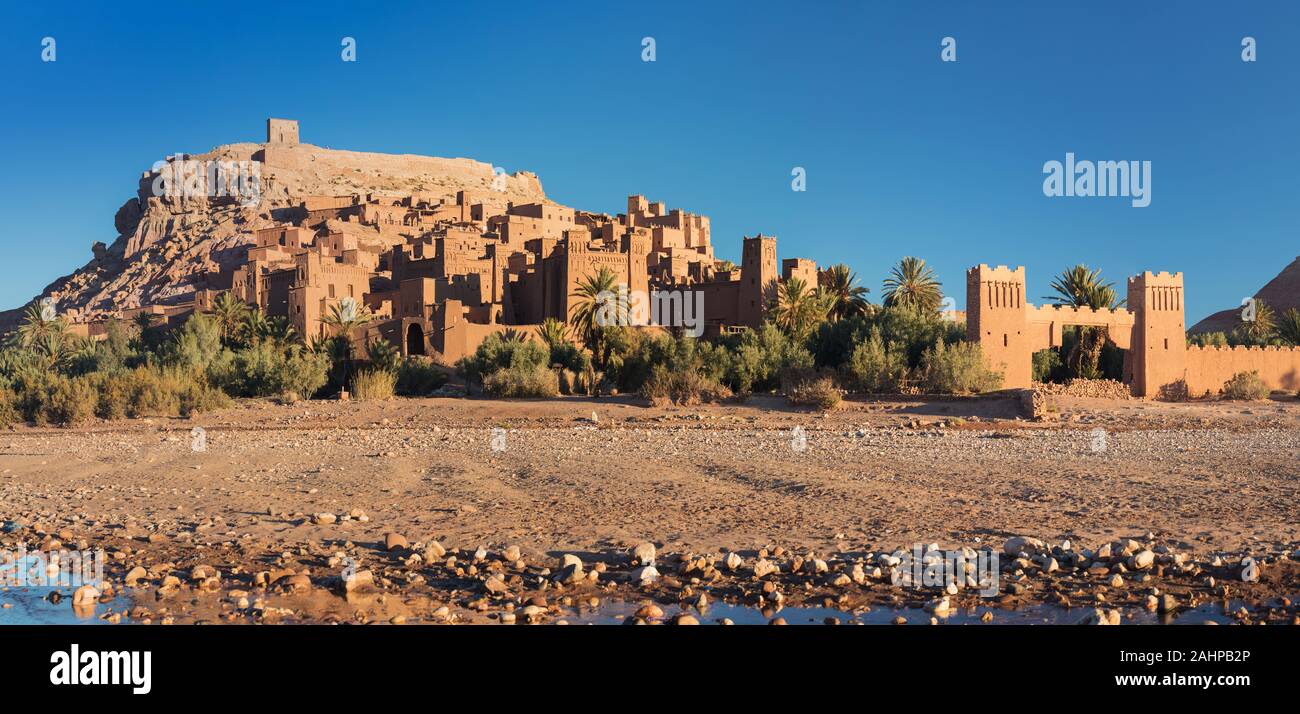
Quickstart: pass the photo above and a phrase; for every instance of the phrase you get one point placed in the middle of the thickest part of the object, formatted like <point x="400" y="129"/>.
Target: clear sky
<point x="904" y="154"/>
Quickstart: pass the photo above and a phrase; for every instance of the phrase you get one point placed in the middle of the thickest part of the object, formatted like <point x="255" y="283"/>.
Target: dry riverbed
<point x="468" y="510"/>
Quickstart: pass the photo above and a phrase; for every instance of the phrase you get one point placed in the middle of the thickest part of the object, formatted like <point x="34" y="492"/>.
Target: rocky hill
<point x="167" y="246"/>
<point x="1281" y="293"/>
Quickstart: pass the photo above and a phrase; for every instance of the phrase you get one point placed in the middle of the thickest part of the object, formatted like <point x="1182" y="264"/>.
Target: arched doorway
<point x="414" y="340"/>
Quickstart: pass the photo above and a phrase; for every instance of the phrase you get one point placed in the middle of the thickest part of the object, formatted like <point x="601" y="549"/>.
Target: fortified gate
<point x="1010" y="330"/>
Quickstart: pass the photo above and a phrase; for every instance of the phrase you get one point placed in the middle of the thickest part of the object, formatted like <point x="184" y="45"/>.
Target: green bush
<point x="197" y="343"/>
<point x="758" y="358"/>
<point x="267" y="369"/>
<point x="1048" y="367"/>
<point x="419" y="376"/>
<point x="957" y="368"/>
<point x="1245" y="386"/>
<point x="876" y="367"/>
<point x="499" y="352"/>
<point x="374" y="384"/>
<point x="522" y="382"/>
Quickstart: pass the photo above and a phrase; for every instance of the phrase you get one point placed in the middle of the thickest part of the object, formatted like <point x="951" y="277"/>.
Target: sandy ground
<point x="545" y="476"/>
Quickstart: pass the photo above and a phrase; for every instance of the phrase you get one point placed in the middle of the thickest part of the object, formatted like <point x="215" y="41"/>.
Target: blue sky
<point x="904" y="154"/>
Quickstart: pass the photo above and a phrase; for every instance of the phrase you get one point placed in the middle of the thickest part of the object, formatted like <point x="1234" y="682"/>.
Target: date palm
<point x="848" y="299"/>
<point x="346" y="315"/>
<point x="229" y="312"/>
<point x="553" y="333"/>
<point x="254" y="326"/>
<point x="596" y="311"/>
<point x="1082" y="286"/>
<point x="1288" y="327"/>
<point x="796" y="308"/>
<point x="1261" y="326"/>
<point x="913" y="284"/>
<point x="40" y="324"/>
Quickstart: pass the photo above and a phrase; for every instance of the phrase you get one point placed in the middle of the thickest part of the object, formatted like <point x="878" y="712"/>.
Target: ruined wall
<point x="1209" y="367"/>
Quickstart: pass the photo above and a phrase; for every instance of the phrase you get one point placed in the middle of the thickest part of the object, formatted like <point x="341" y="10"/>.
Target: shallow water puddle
<point x="715" y="613"/>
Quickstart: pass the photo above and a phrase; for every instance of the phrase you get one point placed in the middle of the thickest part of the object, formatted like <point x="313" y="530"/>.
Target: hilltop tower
<point x="1158" y="354"/>
<point x="282" y="131"/>
<point x="758" y="274"/>
<point x="996" y="319"/>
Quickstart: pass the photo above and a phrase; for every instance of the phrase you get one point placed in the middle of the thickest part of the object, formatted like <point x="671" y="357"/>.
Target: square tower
<point x="282" y="131"/>
<point x="996" y="318"/>
<point x="758" y="274"/>
<point x="1158" y="354"/>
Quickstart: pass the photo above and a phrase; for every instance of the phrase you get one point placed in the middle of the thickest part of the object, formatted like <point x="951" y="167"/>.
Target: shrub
<point x="266" y="369"/>
<point x="758" y="358"/>
<point x="197" y="342"/>
<point x="522" y="382"/>
<point x="114" y="394"/>
<point x="806" y="388"/>
<point x="195" y="396"/>
<point x="957" y="368"/>
<point x="417" y="377"/>
<point x="499" y="351"/>
<point x="1048" y="367"/>
<point x="876" y="367"/>
<point x="70" y="401"/>
<point x="1245" y="386"/>
<point x="570" y="357"/>
<point x="154" y="392"/>
<point x="686" y="388"/>
<point x="8" y="411"/>
<point x="373" y="384"/>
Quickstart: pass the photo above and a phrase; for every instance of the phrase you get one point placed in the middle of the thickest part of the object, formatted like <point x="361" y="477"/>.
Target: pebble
<point x="644" y="575"/>
<point x="393" y="541"/>
<point x="85" y="595"/>
<point x="644" y="554"/>
<point x="1142" y="560"/>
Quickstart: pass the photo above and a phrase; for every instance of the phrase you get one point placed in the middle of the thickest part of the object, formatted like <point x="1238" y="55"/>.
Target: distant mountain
<point x="1281" y="293"/>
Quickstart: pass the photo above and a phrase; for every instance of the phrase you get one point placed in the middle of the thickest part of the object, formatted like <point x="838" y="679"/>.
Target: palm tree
<point x="346" y="315"/>
<point x="1262" y="327"/>
<point x="796" y="309"/>
<point x="281" y="331"/>
<point x="254" y="326"/>
<point x="1082" y="286"/>
<point x="553" y="332"/>
<point x="39" y="323"/>
<point x="596" y="311"/>
<point x="913" y="284"/>
<point x="229" y="312"/>
<point x="848" y="299"/>
<point x="1288" y="328"/>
